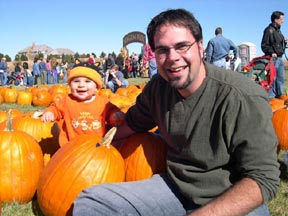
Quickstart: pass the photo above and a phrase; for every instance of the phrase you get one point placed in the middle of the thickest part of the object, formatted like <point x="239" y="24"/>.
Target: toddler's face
<point x="83" y="88"/>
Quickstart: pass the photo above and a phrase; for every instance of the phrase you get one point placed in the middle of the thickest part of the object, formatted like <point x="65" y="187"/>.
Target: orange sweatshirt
<point x="81" y="118"/>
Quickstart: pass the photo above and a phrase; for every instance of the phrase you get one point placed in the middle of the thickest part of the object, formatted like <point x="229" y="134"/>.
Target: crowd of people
<point x="43" y="71"/>
<point x="52" y="71"/>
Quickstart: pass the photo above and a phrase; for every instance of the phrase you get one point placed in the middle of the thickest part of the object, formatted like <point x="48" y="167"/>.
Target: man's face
<point x="179" y="57"/>
<point x="279" y="21"/>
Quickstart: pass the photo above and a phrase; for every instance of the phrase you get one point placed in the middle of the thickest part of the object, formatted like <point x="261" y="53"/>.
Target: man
<point x="221" y="156"/>
<point x="218" y="49"/>
<point x="273" y="44"/>
<point x="114" y="79"/>
<point x="3" y="72"/>
<point x="43" y="71"/>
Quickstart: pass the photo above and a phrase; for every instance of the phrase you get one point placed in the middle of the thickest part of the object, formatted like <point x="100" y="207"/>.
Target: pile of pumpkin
<point x="44" y="95"/>
<point x="280" y="120"/>
<point x="34" y="167"/>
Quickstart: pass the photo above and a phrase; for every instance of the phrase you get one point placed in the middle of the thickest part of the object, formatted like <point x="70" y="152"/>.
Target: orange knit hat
<point x="85" y="72"/>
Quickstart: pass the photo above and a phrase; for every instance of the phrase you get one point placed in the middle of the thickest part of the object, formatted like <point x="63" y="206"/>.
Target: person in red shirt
<point x="82" y="111"/>
<point x="92" y="58"/>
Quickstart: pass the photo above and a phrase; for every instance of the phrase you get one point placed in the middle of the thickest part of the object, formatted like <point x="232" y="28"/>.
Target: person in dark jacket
<point x="109" y="62"/>
<point x="273" y="44"/>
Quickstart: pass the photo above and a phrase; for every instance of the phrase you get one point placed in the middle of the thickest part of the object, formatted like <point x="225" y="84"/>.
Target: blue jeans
<point x="2" y="79"/>
<point x="152" y="70"/>
<point x="49" y="75"/>
<point x="220" y="63"/>
<point x="65" y="76"/>
<point x="43" y="77"/>
<point x="149" y="197"/>
<point x="29" y="80"/>
<point x="113" y="87"/>
<point x="277" y="88"/>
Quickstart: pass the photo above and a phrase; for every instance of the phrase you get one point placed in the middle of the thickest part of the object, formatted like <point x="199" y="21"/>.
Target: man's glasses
<point x="180" y="48"/>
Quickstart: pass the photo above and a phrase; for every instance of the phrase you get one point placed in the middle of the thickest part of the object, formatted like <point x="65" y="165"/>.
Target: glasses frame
<point x="180" y="48"/>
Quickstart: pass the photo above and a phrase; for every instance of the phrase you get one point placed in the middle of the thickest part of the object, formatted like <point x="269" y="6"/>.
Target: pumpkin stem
<point x="9" y="122"/>
<point x="106" y="141"/>
<point x="37" y="114"/>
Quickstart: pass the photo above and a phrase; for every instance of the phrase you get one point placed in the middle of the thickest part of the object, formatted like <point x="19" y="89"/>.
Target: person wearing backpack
<point x="273" y="44"/>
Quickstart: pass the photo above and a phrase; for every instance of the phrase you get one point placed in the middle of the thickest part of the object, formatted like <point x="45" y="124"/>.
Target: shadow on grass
<point x="284" y="171"/>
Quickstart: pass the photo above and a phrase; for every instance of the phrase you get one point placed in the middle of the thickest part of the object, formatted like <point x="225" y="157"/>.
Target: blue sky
<point x="94" y="26"/>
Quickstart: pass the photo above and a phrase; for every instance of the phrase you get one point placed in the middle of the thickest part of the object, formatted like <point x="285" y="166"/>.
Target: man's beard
<point x="174" y="83"/>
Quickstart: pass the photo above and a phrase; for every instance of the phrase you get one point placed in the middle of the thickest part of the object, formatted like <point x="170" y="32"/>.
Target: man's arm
<point x="234" y="49"/>
<point x="240" y="199"/>
<point x="209" y="51"/>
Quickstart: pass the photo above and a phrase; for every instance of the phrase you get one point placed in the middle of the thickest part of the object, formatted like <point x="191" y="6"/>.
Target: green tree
<point x="40" y="55"/>
<point x="8" y="59"/>
<point x="17" y="57"/>
<point x="77" y="55"/>
<point x="23" y="58"/>
<point x="102" y="55"/>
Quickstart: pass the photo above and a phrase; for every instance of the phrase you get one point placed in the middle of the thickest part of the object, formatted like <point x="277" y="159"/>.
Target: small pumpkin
<point x="41" y="98"/>
<point x="4" y="116"/>
<point x="24" y="98"/>
<point x="1" y="99"/>
<point x="105" y="92"/>
<point x="10" y="95"/>
<point x="84" y="161"/>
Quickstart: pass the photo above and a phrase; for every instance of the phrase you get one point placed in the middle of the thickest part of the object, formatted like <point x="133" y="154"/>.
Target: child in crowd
<point x="82" y="111"/>
<point x="55" y="69"/>
<point x="28" y="79"/>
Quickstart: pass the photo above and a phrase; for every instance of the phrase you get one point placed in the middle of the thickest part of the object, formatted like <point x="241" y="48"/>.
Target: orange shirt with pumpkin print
<point x="76" y="118"/>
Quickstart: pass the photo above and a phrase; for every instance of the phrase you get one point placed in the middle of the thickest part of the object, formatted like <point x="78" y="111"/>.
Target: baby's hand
<point x="47" y="117"/>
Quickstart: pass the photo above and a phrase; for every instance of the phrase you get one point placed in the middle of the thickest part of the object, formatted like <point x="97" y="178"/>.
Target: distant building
<point x="34" y="50"/>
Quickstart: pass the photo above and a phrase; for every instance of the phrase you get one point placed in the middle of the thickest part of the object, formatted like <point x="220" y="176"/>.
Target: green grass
<point x="277" y="207"/>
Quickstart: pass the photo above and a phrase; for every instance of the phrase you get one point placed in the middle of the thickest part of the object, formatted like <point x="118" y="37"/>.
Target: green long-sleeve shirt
<point x="220" y="134"/>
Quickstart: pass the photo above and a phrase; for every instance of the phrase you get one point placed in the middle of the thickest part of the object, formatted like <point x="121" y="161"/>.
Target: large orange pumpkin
<point x="46" y="134"/>
<point x="82" y="162"/>
<point x="280" y="123"/>
<point x="144" y="155"/>
<point x="20" y="167"/>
